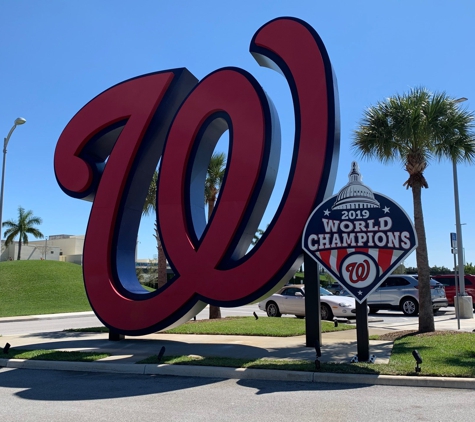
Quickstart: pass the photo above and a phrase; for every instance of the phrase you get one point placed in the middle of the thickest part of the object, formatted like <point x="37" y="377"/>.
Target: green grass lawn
<point x="241" y="326"/>
<point x="249" y="326"/>
<point x="41" y="287"/>
<point x="444" y="354"/>
<point x="449" y="354"/>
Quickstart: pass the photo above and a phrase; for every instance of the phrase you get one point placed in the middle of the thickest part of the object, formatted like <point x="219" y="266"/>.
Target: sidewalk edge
<point x="242" y="373"/>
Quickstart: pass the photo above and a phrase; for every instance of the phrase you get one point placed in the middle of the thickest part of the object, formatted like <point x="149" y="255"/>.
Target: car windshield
<point x="325" y="292"/>
<point x="432" y="281"/>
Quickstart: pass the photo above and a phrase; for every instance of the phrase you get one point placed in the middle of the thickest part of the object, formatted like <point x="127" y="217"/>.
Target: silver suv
<point x="399" y="292"/>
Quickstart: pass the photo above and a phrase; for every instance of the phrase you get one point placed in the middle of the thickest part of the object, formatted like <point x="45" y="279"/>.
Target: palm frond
<point x="214" y="176"/>
<point x="414" y="128"/>
<point x="150" y="204"/>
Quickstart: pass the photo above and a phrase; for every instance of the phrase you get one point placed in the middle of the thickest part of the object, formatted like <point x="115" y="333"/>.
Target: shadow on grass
<point x="199" y="345"/>
<point x="63" y="334"/>
<point x="53" y="355"/>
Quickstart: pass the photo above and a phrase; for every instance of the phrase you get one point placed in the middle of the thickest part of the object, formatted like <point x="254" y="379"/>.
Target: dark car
<point x="400" y="292"/>
<point x="448" y="280"/>
<point x="335" y="288"/>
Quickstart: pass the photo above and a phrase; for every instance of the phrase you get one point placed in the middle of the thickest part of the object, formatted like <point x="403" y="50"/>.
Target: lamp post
<point x="458" y="227"/>
<point x="458" y="230"/>
<point x="463" y="307"/>
<point x="18" y="121"/>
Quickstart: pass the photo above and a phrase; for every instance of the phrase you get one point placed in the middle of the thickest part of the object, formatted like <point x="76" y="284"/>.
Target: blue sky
<point x="57" y="55"/>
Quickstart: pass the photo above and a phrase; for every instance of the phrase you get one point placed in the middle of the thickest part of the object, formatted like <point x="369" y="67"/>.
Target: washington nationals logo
<point x="109" y="150"/>
<point x="358" y="272"/>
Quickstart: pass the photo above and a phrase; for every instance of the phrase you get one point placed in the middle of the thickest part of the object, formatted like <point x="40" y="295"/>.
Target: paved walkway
<point x="339" y="346"/>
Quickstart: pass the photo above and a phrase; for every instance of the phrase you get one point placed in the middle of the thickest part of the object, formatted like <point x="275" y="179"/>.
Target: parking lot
<point x="445" y="319"/>
<point x="397" y="320"/>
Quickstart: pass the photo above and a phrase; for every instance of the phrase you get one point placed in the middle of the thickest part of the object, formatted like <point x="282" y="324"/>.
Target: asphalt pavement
<point x="338" y="347"/>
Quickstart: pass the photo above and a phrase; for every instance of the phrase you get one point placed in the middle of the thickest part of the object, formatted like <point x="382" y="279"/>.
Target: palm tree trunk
<point x="19" y="248"/>
<point x="211" y="207"/>
<point x="162" y="261"/>
<point x="214" y="311"/>
<point x="426" y="314"/>
<point x="162" y="264"/>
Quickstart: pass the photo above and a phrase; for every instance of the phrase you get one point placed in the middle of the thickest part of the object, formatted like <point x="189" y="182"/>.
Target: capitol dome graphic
<point x="355" y="194"/>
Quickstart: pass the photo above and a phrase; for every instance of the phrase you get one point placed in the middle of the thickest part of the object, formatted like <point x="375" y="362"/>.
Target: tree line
<point x="469" y="268"/>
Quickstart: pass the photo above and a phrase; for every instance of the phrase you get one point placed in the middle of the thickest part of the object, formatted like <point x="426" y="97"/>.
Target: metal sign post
<point x="362" y="331"/>
<point x="313" y="329"/>
<point x="453" y="244"/>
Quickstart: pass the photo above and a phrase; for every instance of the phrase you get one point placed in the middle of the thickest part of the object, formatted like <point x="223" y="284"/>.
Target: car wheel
<point x="409" y="306"/>
<point x="325" y="312"/>
<point x="273" y="310"/>
<point x="435" y="310"/>
<point x="373" y="310"/>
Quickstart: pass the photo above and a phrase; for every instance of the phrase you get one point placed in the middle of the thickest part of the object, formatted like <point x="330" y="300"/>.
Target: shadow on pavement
<point x="269" y="387"/>
<point x="47" y="385"/>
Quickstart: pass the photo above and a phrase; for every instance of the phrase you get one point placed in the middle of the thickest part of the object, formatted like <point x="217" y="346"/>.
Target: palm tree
<point x="414" y="128"/>
<point x="150" y="206"/>
<point x="257" y="236"/>
<point x="214" y="178"/>
<point x="22" y="227"/>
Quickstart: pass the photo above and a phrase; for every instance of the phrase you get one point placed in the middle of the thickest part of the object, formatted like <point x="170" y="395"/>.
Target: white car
<point x="291" y="300"/>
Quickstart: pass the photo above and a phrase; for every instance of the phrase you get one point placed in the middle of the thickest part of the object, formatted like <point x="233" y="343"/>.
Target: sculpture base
<point x="463" y="307"/>
<point x="114" y="336"/>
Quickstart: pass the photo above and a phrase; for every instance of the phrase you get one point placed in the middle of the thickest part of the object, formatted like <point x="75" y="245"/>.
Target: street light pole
<point x="458" y="229"/>
<point x="18" y="121"/>
<point x="464" y="305"/>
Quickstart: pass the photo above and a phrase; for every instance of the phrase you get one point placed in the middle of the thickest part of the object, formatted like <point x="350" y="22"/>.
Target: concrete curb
<point x="242" y="373"/>
<point x="23" y="318"/>
<point x="397" y="380"/>
<point x="229" y="373"/>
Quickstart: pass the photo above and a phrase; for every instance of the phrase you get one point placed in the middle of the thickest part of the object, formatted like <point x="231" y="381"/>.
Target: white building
<point x="60" y="247"/>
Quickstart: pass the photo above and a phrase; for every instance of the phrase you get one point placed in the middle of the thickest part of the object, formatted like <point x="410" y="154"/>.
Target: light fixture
<point x="418" y="359"/>
<point x="160" y="354"/>
<point x="18" y="121"/>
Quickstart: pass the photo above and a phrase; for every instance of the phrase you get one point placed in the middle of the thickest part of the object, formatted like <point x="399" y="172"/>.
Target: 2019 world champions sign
<point x="109" y="150"/>
<point x="359" y="236"/>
